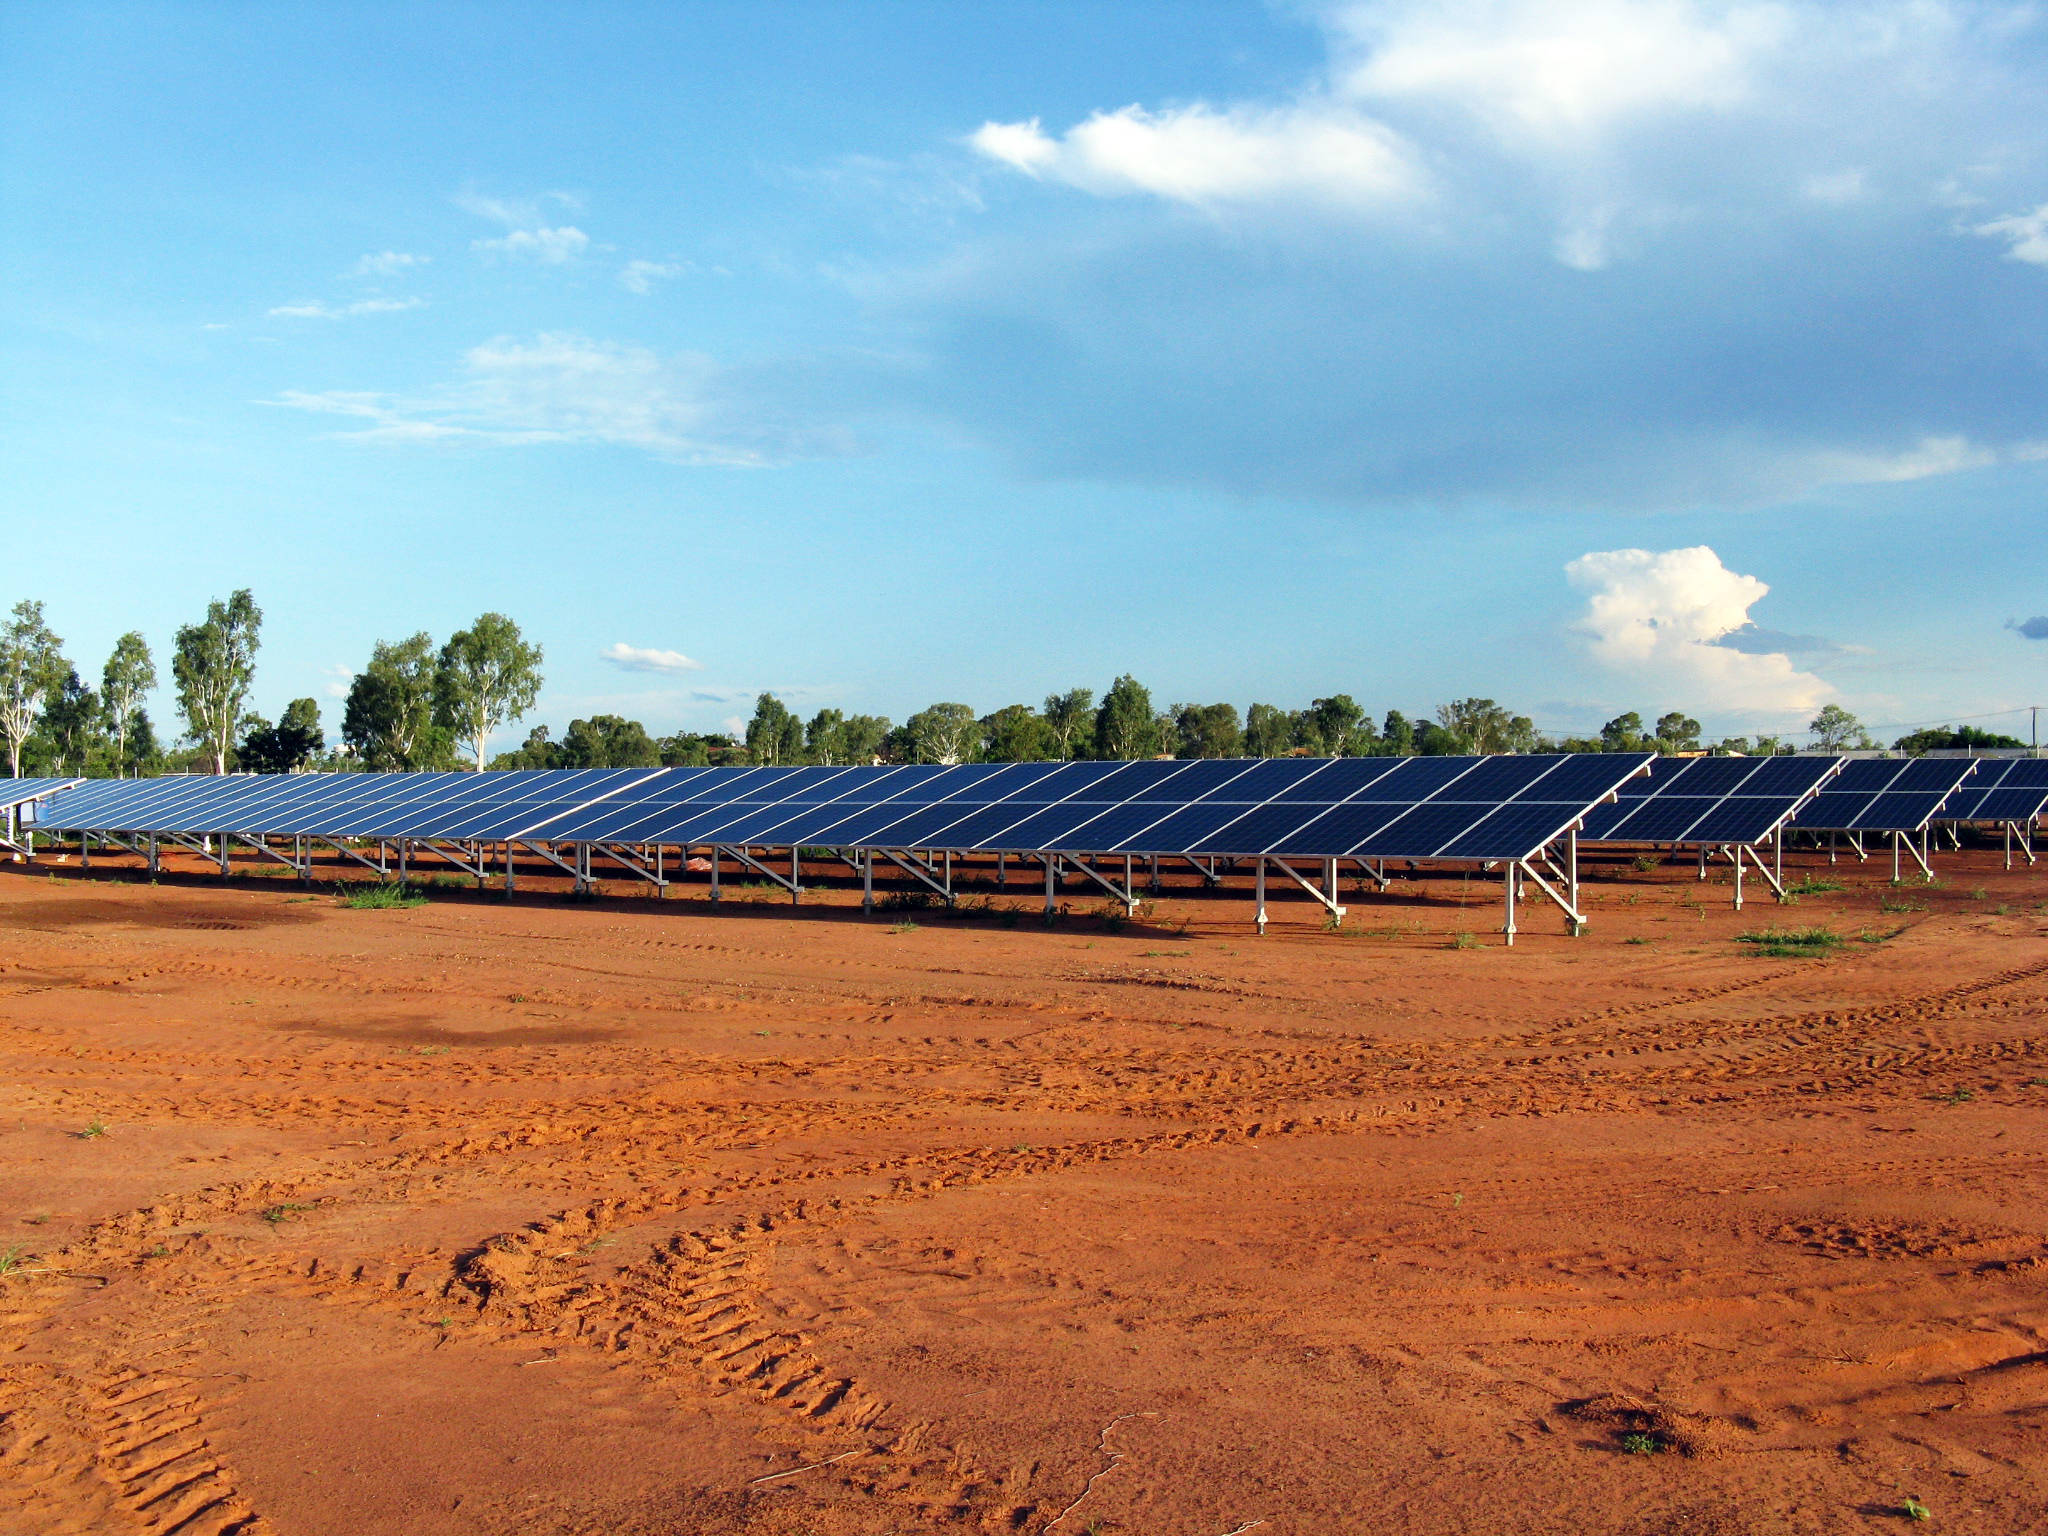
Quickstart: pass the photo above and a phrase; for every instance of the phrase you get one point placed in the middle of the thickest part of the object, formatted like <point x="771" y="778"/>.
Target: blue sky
<point x="1588" y="355"/>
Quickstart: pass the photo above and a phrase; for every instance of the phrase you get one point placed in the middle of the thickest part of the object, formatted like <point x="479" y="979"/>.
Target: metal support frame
<point x="1125" y="895"/>
<point x="1565" y="893"/>
<point x="910" y="864"/>
<point x="1210" y="877"/>
<point x="795" y="891"/>
<point x="1328" y="899"/>
<point x="471" y="866"/>
<point x="297" y="865"/>
<point x="617" y="854"/>
<point x="1919" y="852"/>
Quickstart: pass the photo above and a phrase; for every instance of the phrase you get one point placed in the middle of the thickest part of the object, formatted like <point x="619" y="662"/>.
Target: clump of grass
<point x="1464" y="939"/>
<point x="1151" y="953"/>
<point x="277" y="1215"/>
<point x="1979" y="894"/>
<point x="906" y="926"/>
<point x="1953" y="1096"/>
<point x="1641" y="1442"/>
<point x="12" y="1257"/>
<point x="1635" y="939"/>
<point x="1899" y="904"/>
<point x="1645" y="862"/>
<point x="94" y="1130"/>
<point x="377" y="898"/>
<point x="1913" y="1509"/>
<point x="1813" y="885"/>
<point x="1791" y="943"/>
<point x="1878" y="935"/>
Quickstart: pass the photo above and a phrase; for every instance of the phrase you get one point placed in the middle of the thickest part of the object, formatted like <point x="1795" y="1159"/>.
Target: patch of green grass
<point x="1879" y="935"/>
<point x="277" y="1215"/>
<point x="1791" y="943"/>
<point x="95" y="1128"/>
<point x="1899" y="904"/>
<point x="1953" y="1096"/>
<point x="1645" y="862"/>
<point x="1637" y="939"/>
<point x="1464" y="940"/>
<point x="377" y="898"/>
<point x="1813" y="885"/>
<point x="1151" y="953"/>
<point x="1641" y="1442"/>
<point x="906" y="926"/>
<point x="1979" y="894"/>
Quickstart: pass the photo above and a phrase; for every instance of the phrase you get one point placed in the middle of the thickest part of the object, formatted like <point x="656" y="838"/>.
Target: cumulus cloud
<point x="2035" y="628"/>
<point x="1661" y="617"/>
<point x="1198" y="154"/>
<point x="316" y="309"/>
<point x="564" y="388"/>
<point x="387" y="264"/>
<point x="635" y="658"/>
<point x="639" y="276"/>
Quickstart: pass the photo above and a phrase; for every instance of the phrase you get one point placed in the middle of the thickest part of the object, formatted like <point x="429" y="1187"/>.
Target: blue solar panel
<point x="1884" y="795"/>
<point x="1709" y="800"/>
<point x="2002" y="789"/>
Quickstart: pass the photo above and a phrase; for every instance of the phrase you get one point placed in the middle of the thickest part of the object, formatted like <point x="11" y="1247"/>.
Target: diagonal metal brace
<point x="1294" y="874"/>
<point x="913" y="865"/>
<point x="1129" y="900"/>
<point x="618" y="855"/>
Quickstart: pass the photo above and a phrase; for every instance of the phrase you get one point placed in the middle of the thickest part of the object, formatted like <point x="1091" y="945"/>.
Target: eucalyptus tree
<point x="1124" y="725"/>
<point x="1017" y="733"/>
<point x="213" y="663"/>
<point x="1068" y="716"/>
<point x="487" y="676"/>
<point x="1268" y="731"/>
<point x="32" y="668"/>
<point x="775" y="736"/>
<point x="388" y="718"/>
<point x="130" y="673"/>
<point x="1206" y="730"/>
<point x="945" y="733"/>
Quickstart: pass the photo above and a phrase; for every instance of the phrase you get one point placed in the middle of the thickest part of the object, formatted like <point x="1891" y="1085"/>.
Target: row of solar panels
<point x="1458" y="808"/>
<point x="1451" y="808"/>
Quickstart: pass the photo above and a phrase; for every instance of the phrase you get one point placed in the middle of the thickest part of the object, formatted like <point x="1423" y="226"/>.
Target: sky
<point x="1587" y="355"/>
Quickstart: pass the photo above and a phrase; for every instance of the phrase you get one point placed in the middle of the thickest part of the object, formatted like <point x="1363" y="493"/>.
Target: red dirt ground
<point x="596" y="1217"/>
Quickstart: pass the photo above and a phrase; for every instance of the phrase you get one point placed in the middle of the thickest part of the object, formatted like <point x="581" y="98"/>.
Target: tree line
<point x="421" y="705"/>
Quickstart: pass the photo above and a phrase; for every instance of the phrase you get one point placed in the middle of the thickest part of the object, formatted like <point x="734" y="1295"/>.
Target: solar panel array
<point x="2002" y="789"/>
<point x="1455" y="808"/>
<point x="15" y="792"/>
<point x="1710" y="800"/>
<point x="1884" y="794"/>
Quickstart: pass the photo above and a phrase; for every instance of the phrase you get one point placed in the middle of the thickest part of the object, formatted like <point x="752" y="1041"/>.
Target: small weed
<point x="93" y="1131"/>
<point x="1953" y="1096"/>
<point x="1113" y="915"/>
<point x="12" y="1257"/>
<point x="1812" y="885"/>
<point x="277" y="1215"/>
<point x="1638" y="939"/>
<point x="2003" y="909"/>
<point x="40" y="1217"/>
<point x="1791" y="943"/>
<point x="430" y="1050"/>
<point x="1979" y="894"/>
<point x="1154" y="953"/>
<point x="1464" y="940"/>
<point x="1645" y="862"/>
<point x="906" y="926"/>
<point x="1913" y="1509"/>
<point x="1879" y="935"/>
<point x="1639" y="1442"/>
<point x="2037" y="1082"/>
<point x="1899" y="904"/>
<point x="377" y="898"/>
<point x="290" y="901"/>
<point x="1333" y="924"/>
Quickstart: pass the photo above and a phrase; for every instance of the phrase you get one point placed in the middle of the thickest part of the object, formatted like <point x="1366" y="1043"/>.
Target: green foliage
<point x="1637" y="1442"/>
<point x="285" y="746"/>
<point x="1965" y="738"/>
<point x="1269" y="731"/>
<point x="1624" y="733"/>
<point x="1206" y="730"/>
<point x="486" y="676"/>
<point x="1124" y="726"/>
<point x="378" y="898"/>
<point x="606" y="741"/>
<point x="130" y="673"/>
<point x="1812" y="885"/>
<point x="1335" y="727"/>
<point x="69" y="733"/>
<point x="1069" y="716"/>
<point x="944" y="733"/>
<point x="12" y="1257"/>
<point x="213" y="663"/>
<point x="94" y="1130"/>
<point x="32" y="667"/>
<point x="1464" y="939"/>
<point x="1913" y="1509"/>
<point x="388" y="719"/>
<point x="774" y="736"/>
<point x="1397" y="734"/>
<point x="1017" y="733"/>
<point x="276" y="1215"/>
<point x="1792" y="943"/>
<point x="1836" y="730"/>
<point x="1677" y="732"/>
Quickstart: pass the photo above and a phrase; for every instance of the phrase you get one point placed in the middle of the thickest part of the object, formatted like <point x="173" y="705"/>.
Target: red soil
<point x="594" y="1218"/>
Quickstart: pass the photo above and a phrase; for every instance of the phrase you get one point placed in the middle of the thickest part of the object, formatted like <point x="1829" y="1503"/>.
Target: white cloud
<point x="1555" y="69"/>
<point x="387" y="264"/>
<point x="338" y="680"/>
<point x="316" y="309"/>
<point x="561" y="387"/>
<point x="1659" y="618"/>
<point x="550" y="247"/>
<point x="639" y="276"/>
<point x="1321" y="150"/>
<point x="1837" y="187"/>
<point x="635" y="658"/>
<point x="1929" y="457"/>
<point x="2025" y="235"/>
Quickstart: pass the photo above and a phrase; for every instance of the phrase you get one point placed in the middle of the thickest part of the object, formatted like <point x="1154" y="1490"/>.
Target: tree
<point x="1964" y="738"/>
<point x="606" y="741"/>
<point x="1836" y="730"/>
<point x="32" y="667"/>
<point x="1268" y="731"/>
<point x="1068" y="715"/>
<point x="213" y="664"/>
<point x="1486" y="727"/>
<point x="1397" y="735"/>
<point x="775" y="737"/>
<point x="1676" y="732"/>
<point x="1624" y="733"/>
<point x="286" y="746"/>
<point x="824" y="737"/>
<point x="1124" y="727"/>
<point x="130" y="673"/>
<point x="487" y="676"/>
<point x="945" y="733"/>
<point x="70" y="713"/>
<point x="1336" y="727"/>
<point x="1017" y="733"/>
<point x="537" y="751"/>
<point x="1207" y="730"/>
<point x="388" y="718"/>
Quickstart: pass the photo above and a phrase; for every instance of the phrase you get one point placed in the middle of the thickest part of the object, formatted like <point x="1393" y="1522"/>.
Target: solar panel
<point x="1461" y="808"/>
<point x="25" y="791"/>
<point x="2002" y="789"/>
<point x="1884" y="794"/>
<point x="1710" y="800"/>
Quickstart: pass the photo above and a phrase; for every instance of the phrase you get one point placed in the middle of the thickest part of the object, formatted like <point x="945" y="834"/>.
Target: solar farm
<point x="845" y="1151"/>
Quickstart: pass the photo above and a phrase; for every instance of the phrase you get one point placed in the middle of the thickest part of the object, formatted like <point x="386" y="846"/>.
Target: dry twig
<point x="792" y="1472"/>
<point x="1115" y="1458"/>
